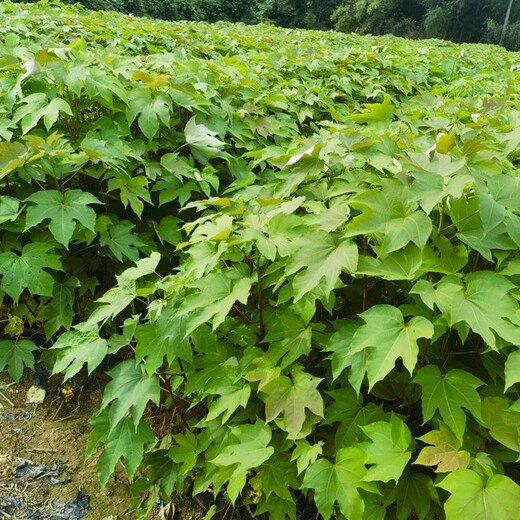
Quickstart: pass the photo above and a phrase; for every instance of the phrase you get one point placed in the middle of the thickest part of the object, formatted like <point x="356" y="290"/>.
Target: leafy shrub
<point x="305" y="246"/>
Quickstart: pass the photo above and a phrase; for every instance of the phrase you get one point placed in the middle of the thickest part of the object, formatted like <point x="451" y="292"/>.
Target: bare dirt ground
<point x="51" y="437"/>
<point x="43" y="472"/>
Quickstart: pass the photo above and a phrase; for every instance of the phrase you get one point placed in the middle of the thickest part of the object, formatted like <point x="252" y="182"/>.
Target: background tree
<point x="399" y="17"/>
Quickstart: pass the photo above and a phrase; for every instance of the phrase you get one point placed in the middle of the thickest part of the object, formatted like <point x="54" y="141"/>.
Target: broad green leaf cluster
<point x="295" y="253"/>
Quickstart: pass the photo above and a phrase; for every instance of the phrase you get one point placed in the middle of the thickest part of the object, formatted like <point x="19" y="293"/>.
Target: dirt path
<point x="54" y="483"/>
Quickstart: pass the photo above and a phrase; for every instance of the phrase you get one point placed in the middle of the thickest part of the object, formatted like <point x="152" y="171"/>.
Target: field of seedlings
<point x="294" y="253"/>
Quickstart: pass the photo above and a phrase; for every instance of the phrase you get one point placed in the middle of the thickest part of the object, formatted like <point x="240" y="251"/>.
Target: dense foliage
<point x="296" y="252"/>
<point x="455" y="20"/>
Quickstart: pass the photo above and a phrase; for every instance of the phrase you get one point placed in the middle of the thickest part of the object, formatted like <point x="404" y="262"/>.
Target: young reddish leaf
<point x="292" y="399"/>
<point x="444" y="452"/>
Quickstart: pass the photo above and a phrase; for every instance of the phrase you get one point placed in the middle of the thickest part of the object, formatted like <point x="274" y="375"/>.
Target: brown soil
<point x="54" y="432"/>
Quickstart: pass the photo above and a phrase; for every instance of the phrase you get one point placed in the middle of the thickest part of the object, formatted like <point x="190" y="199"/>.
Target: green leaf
<point x="476" y="496"/>
<point x="130" y="389"/>
<point x="231" y="398"/>
<point x="276" y="478"/>
<point x="387" y="338"/>
<point x="320" y="257"/>
<point x="26" y="270"/>
<point x="119" y="297"/>
<point x="292" y="399"/>
<point x="12" y="156"/>
<point x="414" y="493"/>
<point x="403" y="264"/>
<point x="391" y="215"/>
<point x="77" y="348"/>
<point x="151" y="111"/>
<point x="121" y="241"/>
<point x="503" y="423"/>
<point x="349" y="431"/>
<point x="132" y="190"/>
<point x="251" y="451"/>
<point x="338" y="483"/>
<point x="63" y="210"/>
<point x="444" y="452"/>
<point x="305" y="454"/>
<point x="143" y="267"/>
<point x="276" y="508"/>
<point x="162" y="470"/>
<point x="217" y="229"/>
<point x="449" y="393"/>
<point x="16" y="355"/>
<point x="389" y="451"/>
<point x="217" y="295"/>
<point x="375" y="111"/>
<point x="115" y="300"/>
<point x="122" y="440"/>
<point x="201" y="138"/>
<point x="450" y="259"/>
<point x="37" y="106"/>
<point x="288" y="337"/>
<point x="512" y="369"/>
<point x="469" y="303"/>
<point x="185" y="451"/>
<point x="164" y="338"/>
<point x="169" y="230"/>
<point x="59" y="312"/>
<point x="9" y="208"/>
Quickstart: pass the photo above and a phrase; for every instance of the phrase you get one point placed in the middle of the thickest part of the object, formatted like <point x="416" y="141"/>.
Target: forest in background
<point x="477" y="21"/>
